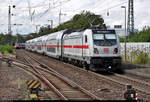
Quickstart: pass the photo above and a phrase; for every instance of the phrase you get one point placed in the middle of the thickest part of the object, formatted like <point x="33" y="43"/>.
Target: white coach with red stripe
<point x="53" y="44"/>
<point x="77" y="45"/>
<point x="96" y="49"/>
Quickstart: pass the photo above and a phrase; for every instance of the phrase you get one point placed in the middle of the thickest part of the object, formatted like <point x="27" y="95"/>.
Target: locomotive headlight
<point x="115" y="51"/>
<point x="96" y="51"/>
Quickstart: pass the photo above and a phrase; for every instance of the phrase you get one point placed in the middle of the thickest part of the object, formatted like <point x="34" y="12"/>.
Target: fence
<point x="134" y="49"/>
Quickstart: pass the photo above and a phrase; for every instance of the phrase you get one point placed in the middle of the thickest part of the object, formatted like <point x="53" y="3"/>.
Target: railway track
<point x="61" y="87"/>
<point x="139" y="85"/>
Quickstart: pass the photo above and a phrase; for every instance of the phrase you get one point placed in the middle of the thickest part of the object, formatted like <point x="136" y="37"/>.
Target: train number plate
<point x="106" y="50"/>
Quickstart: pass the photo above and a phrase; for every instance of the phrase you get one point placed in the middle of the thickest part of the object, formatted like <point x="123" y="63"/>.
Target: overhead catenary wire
<point x="44" y="6"/>
<point x="46" y="11"/>
<point x="42" y="13"/>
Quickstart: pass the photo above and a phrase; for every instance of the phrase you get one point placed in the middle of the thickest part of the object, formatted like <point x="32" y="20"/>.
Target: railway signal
<point x="130" y="93"/>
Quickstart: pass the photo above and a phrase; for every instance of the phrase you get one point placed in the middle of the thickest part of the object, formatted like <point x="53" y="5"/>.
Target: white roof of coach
<point x="56" y="35"/>
<point x="73" y="34"/>
<point x="39" y="39"/>
<point x="60" y="34"/>
<point x="27" y="41"/>
<point x="44" y="37"/>
<point x="30" y="40"/>
<point x="34" y="40"/>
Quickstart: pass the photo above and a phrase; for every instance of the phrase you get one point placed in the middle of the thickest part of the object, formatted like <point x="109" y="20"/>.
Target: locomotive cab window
<point x="98" y="39"/>
<point x="105" y="39"/>
<point x="111" y="38"/>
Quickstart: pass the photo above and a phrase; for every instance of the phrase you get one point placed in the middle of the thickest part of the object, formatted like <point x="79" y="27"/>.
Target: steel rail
<point x="73" y="84"/>
<point x="38" y="75"/>
<point x="136" y="81"/>
<point x="121" y="83"/>
<point x="116" y="81"/>
<point x="46" y="81"/>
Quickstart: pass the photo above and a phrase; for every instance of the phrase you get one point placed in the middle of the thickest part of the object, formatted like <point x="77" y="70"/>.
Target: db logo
<point x="106" y="49"/>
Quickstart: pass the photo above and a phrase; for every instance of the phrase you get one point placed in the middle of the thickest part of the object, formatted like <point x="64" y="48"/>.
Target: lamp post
<point x="9" y="24"/>
<point x="125" y="35"/>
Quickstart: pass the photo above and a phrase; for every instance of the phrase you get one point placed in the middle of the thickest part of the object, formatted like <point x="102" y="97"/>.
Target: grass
<point x="143" y="58"/>
<point x="137" y="57"/>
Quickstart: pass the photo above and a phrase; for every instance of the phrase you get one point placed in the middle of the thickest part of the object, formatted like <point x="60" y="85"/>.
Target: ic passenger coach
<point x="95" y="49"/>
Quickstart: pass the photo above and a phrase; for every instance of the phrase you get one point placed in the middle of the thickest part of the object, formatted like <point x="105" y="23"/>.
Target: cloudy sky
<point x="43" y="11"/>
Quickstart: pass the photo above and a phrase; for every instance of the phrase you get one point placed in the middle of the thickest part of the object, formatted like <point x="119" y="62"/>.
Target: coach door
<point x="85" y="45"/>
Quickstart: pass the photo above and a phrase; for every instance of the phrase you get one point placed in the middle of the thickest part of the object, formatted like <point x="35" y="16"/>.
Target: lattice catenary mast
<point x="130" y="26"/>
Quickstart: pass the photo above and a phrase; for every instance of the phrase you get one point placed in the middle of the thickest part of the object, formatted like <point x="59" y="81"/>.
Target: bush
<point x="143" y="58"/>
<point x="6" y="49"/>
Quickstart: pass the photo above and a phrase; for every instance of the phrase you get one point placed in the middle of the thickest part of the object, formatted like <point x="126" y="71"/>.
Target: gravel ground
<point x="12" y="85"/>
<point x="138" y="71"/>
<point x="144" y="69"/>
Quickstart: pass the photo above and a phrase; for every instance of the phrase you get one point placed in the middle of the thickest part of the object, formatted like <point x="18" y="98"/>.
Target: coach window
<point x="85" y="38"/>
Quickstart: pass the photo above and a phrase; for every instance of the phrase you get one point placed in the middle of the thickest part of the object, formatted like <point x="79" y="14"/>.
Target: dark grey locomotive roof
<point x="99" y="31"/>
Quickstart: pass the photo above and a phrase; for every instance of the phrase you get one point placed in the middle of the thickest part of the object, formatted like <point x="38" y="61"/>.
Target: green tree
<point x="79" y="21"/>
<point x="142" y="36"/>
